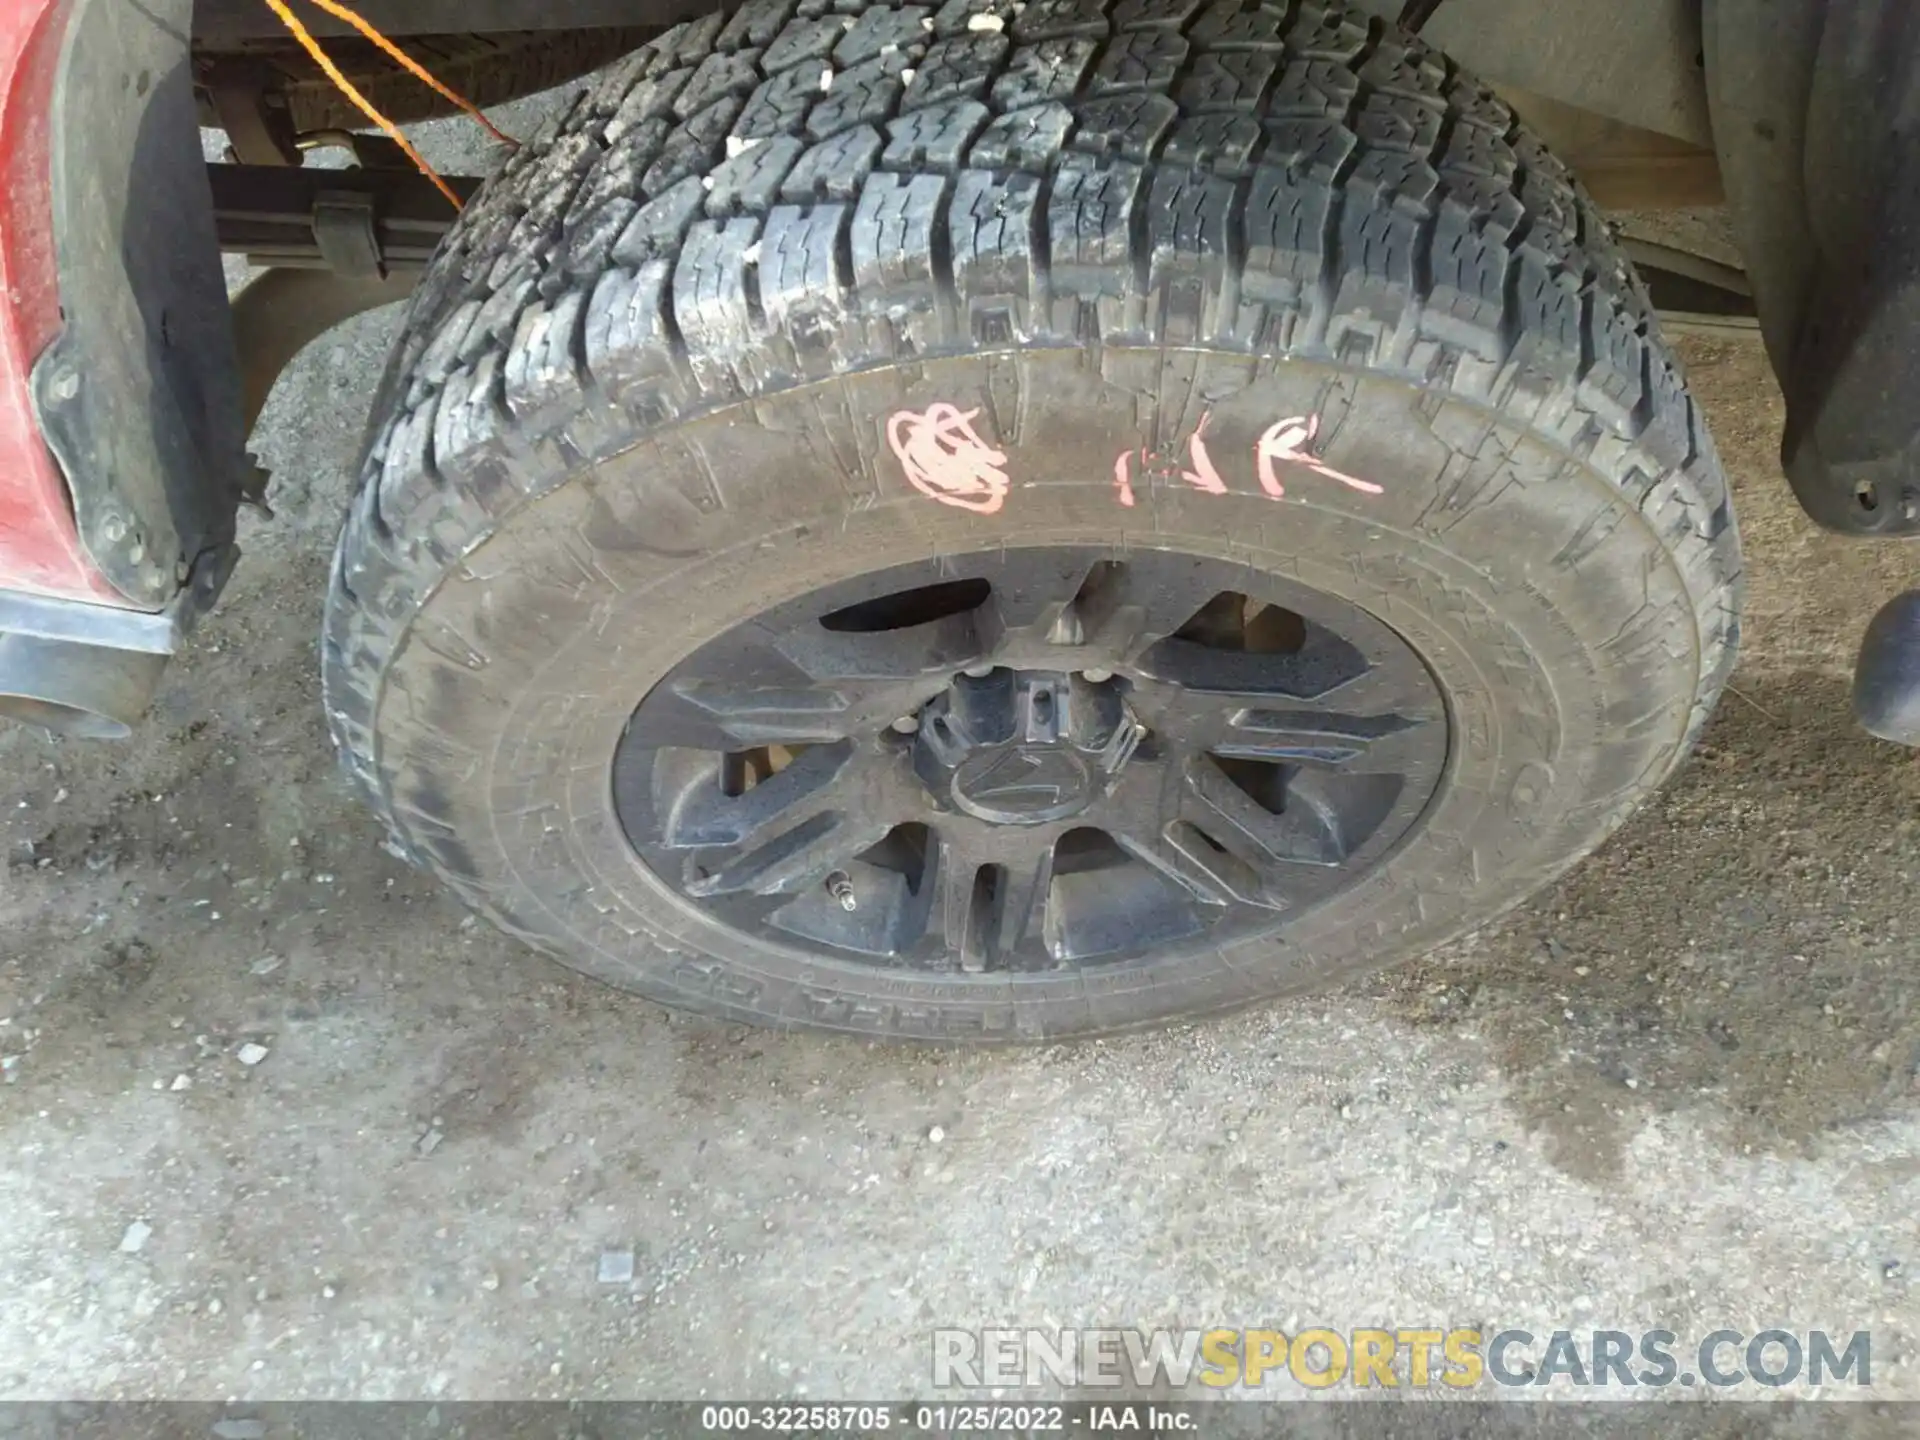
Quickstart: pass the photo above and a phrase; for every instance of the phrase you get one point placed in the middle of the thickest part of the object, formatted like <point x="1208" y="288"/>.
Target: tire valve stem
<point x="840" y="887"/>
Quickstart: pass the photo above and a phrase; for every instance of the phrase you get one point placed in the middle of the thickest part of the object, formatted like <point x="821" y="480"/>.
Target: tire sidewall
<point x="1556" y="622"/>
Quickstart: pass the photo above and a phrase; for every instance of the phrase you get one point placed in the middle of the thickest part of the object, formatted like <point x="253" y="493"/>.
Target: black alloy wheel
<point x="1031" y="760"/>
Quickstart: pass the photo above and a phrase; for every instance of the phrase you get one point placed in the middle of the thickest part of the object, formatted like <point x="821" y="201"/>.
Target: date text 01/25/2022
<point x="964" y="1417"/>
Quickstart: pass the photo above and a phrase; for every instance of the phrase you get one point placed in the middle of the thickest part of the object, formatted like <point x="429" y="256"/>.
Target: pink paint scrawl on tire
<point x="1284" y="441"/>
<point x="1287" y="440"/>
<point x="1203" y="476"/>
<point x="946" y="460"/>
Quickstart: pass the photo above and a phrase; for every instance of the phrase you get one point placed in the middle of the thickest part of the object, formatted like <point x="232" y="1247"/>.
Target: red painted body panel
<point x="40" y="549"/>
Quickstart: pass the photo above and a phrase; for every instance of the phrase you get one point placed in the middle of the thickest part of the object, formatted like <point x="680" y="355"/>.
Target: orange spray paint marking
<point x="1287" y="440"/>
<point x="1203" y="476"/>
<point x="946" y="460"/>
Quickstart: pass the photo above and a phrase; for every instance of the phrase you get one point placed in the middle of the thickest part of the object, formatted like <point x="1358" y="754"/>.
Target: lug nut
<point x="840" y="887"/>
<point x="906" y="724"/>
<point x="1096" y="677"/>
<point x="978" y="672"/>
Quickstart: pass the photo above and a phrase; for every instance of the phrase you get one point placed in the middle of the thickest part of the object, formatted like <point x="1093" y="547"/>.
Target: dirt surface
<point x="1678" y="1089"/>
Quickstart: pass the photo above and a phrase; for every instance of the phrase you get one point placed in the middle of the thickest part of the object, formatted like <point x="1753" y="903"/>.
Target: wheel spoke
<point x="1365" y="686"/>
<point x="1277" y="860"/>
<point x="809" y="852"/>
<point x="1364" y="743"/>
<point x="1026" y="877"/>
<point x="1144" y="599"/>
<point x="714" y="715"/>
<point x="1034" y="596"/>
<point x="824" y="778"/>
<point x="1262" y="840"/>
<point x="990" y="891"/>
<point x="1134" y="813"/>
<point x="743" y="693"/>
<point x="798" y="825"/>
<point x="1210" y="878"/>
<point x="1323" y="665"/>
<point x="938" y="647"/>
<point x="1248" y="719"/>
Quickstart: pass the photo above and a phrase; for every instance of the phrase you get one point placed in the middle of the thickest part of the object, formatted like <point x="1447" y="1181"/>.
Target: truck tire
<point x="1023" y="520"/>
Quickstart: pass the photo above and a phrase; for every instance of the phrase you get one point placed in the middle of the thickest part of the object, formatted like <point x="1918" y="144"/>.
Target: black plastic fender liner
<point x="1816" y="116"/>
<point x="139" y="396"/>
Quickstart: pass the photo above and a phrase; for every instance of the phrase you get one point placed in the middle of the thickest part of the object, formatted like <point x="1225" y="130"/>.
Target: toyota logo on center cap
<point x="1023" y="785"/>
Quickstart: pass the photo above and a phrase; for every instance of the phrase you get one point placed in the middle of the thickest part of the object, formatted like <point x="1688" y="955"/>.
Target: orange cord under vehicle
<point x="366" y="107"/>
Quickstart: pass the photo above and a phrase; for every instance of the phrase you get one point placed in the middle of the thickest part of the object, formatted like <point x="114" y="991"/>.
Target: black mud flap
<point x="1816" y="117"/>
<point x="139" y="397"/>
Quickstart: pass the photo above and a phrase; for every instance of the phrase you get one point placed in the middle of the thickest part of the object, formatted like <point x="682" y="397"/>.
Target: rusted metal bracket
<point x="359" y="222"/>
<point x="259" y="132"/>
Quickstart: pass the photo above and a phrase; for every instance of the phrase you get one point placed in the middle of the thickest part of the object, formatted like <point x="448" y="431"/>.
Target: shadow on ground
<point x="1742" y="947"/>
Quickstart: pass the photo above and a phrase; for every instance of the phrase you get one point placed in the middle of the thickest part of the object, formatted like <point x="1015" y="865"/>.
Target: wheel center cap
<point x="1023" y="784"/>
<point x="1025" y="747"/>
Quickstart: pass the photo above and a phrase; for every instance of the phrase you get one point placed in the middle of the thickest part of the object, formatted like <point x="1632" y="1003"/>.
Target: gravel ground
<point x="1679" y="1089"/>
